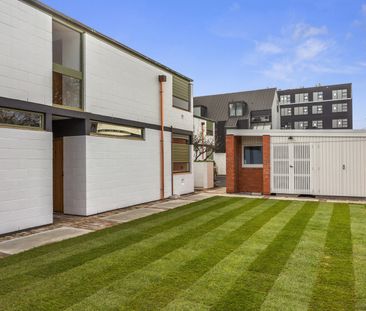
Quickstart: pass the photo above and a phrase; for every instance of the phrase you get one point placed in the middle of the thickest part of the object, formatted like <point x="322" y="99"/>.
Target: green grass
<point x="220" y="254"/>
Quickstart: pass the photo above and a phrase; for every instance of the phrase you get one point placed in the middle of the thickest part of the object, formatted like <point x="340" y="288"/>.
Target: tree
<point x="203" y="146"/>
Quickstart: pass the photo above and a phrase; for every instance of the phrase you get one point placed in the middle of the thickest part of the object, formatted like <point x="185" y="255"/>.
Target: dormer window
<point x="237" y="109"/>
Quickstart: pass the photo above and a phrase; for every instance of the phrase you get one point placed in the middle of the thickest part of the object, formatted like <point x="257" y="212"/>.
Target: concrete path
<point x="133" y="214"/>
<point x="172" y="204"/>
<point x="18" y="245"/>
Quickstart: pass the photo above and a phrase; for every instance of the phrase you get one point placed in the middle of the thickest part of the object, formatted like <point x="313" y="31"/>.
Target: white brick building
<point x="80" y="120"/>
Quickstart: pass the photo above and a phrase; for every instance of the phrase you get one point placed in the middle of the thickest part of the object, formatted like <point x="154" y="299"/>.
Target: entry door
<point x="58" y="175"/>
<point x="291" y="168"/>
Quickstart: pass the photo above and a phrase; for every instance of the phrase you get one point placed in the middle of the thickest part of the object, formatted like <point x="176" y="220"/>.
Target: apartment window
<point x="181" y="93"/>
<point x="180" y="153"/>
<point x="20" y="118"/>
<point x="317" y="96"/>
<point x="302" y="110"/>
<point x="209" y="128"/>
<point x="317" y="124"/>
<point x="340" y="123"/>
<point x="339" y="107"/>
<point x="253" y="155"/>
<point x="237" y="109"/>
<point x="67" y="66"/>
<point x="301" y="125"/>
<point x="286" y="126"/>
<point x="285" y="99"/>
<point x="317" y="109"/>
<point x="301" y="98"/>
<point x="339" y="94"/>
<point x="286" y="111"/>
<point x="114" y="130"/>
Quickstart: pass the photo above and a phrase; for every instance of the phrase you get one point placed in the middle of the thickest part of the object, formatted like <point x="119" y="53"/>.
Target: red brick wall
<point x="239" y="179"/>
<point x="266" y="140"/>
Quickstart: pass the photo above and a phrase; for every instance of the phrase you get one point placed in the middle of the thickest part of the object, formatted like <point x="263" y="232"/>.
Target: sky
<point x="231" y="46"/>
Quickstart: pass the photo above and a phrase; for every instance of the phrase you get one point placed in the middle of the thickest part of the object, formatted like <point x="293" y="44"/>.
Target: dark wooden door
<point x="58" y="175"/>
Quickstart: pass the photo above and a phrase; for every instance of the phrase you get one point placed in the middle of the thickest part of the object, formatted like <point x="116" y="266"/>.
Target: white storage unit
<point x="319" y="163"/>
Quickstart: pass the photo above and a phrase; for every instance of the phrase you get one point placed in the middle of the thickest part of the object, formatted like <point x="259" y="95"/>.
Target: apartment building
<point x="319" y="107"/>
<point x="87" y="124"/>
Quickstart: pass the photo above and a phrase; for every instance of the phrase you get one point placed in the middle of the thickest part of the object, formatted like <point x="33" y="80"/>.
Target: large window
<point x="317" y="124"/>
<point x="339" y="94"/>
<point x="253" y="155"/>
<point x="302" y="97"/>
<point x="20" y="118"/>
<point x="340" y="123"/>
<point x="339" y="107"/>
<point x="285" y="99"/>
<point x="302" y="110"/>
<point x="317" y="96"/>
<point x="286" y="111"/>
<point x="67" y="66"/>
<point x="181" y="93"/>
<point x="237" y="109"/>
<point x="301" y="125"/>
<point x="180" y="153"/>
<point x="317" y="109"/>
<point x="114" y="130"/>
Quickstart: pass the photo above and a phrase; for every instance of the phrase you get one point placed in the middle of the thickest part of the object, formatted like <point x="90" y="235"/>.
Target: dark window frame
<point x="20" y="126"/>
<point x="249" y="150"/>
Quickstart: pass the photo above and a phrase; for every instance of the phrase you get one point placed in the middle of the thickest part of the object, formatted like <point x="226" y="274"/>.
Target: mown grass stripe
<point x="119" y="292"/>
<point x="35" y="255"/>
<point x="170" y="286"/>
<point x="62" y="297"/>
<point x="335" y="285"/>
<point x="293" y="288"/>
<point x="358" y="216"/>
<point x="251" y="288"/>
<point x="58" y="266"/>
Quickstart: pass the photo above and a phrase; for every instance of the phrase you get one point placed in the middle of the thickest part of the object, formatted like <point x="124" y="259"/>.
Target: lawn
<point x="220" y="254"/>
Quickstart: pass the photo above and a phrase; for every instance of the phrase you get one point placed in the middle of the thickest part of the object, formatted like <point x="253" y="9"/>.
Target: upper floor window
<point x="21" y="118"/>
<point x="286" y="111"/>
<point x="317" y="109"/>
<point x="67" y="66"/>
<point x="209" y="128"/>
<point x="302" y="110"/>
<point x="300" y="125"/>
<point x="236" y="109"/>
<point x="286" y="126"/>
<point x="339" y="94"/>
<point x="317" y="96"/>
<point x="302" y="97"/>
<point x="181" y="93"/>
<point x="339" y="107"/>
<point x="339" y="123"/>
<point x="285" y="99"/>
<point x="317" y="124"/>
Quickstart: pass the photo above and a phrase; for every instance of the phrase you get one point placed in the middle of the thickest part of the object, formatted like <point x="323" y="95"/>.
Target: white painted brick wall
<point x="25" y="53"/>
<point x="120" y="85"/>
<point x="25" y="179"/>
<point x="75" y="175"/>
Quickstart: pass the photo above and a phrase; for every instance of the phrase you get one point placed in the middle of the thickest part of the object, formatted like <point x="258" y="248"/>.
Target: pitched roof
<point x="217" y="105"/>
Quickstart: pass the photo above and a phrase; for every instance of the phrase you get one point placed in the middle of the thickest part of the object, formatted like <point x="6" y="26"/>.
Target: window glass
<point x="342" y="107"/>
<point x="181" y="93"/>
<point x="253" y="155"/>
<point x="302" y="97"/>
<point x="236" y="109"/>
<point x="21" y="118"/>
<point x="317" y="124"/>
<point x="317" y="96"/>
<point x="285" y="99"/>
<point x="180" y="153"/>
<point x="286" y="111"/>
<point x="232" y="112"/>
<point x="340" y="123"/>
<point x="66" y="44"/>
<point x="107" y="129"/>
<point x="302" y="110"/>
<point x="300" y="125"/>
<point x="318" y="109"/>
<point x="239" y="110"/>
<point x="66" y="90"/>
<point x="340" y="94"/>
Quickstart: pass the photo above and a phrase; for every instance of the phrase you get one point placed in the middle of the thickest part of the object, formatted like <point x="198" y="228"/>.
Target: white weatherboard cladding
<point x="124" y="172"/>
<point x="120" y="85"/>
<point x="25" y="53"/>
<point x="327" y="165"/>
<point x="25" y="179"/>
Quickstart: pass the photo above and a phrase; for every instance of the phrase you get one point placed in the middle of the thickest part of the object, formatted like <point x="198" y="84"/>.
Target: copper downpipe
<point x="162" y="79"/>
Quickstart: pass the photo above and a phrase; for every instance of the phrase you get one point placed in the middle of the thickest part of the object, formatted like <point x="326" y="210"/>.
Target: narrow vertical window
<point x="180" y="153"/>
<point x="67" y="66"/>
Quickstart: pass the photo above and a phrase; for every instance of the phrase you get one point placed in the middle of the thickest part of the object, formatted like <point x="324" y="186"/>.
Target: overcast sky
<point x="228" y="46"/>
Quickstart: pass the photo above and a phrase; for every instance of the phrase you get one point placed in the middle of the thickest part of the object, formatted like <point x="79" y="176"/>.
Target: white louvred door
<point x="280" y="168"/>
<point x="302" y="168"/>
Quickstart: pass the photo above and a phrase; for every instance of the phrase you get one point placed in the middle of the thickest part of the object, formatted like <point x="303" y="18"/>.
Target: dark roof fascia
<point x="234" y="93"/>
<point x="203" y="118"/>
<point x="45" y="8"/>
<point x="314" y="87"/>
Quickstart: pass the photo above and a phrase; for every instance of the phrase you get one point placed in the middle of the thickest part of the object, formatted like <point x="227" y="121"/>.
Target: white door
<point x="291" y="168"/>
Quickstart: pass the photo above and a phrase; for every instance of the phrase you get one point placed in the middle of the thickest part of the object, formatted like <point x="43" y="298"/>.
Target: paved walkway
<point x="67" y="226"/>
